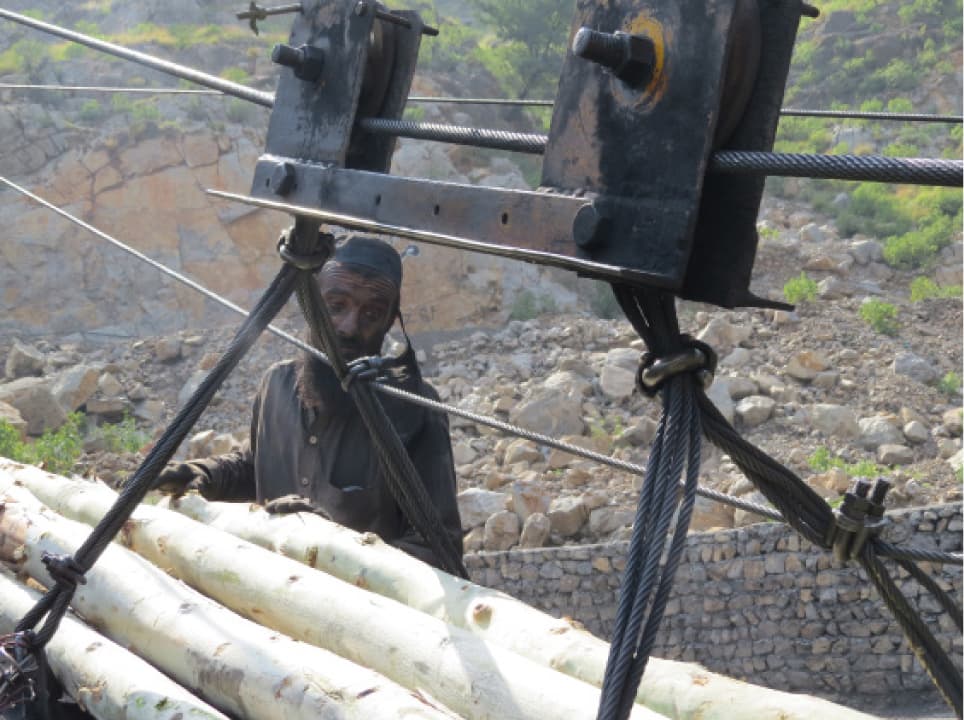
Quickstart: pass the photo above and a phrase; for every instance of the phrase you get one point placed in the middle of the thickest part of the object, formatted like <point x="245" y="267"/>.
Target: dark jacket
<point x="329" y="458"/>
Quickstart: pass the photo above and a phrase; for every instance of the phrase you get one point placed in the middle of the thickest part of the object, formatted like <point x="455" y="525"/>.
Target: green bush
<point x="881" y="316"/>
<point x="527" y="306"/>
<point x="822" y="460"/>
<point x="950" y="384"/>
<point x="90" y="111"/>
<point x="800" y="289"/>
<point x="123" y="437"/>
<point x="923" y="288"/>
<point x="239" y="111"/>
<point x="56" y="450"/>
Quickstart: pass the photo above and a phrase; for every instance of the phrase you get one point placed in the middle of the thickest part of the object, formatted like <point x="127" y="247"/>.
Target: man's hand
<point x="287" y="504"/>
<point x="178" y="477"/>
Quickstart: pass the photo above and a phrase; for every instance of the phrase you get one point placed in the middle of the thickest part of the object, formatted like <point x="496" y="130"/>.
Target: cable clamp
<point x="367" y="369"/>
<point x="302" y="261"/>
<point x="17" y="665"/>
<point x="64" y="570"/>
<point x="697" y="357"/>
<point x="859" y="518"/>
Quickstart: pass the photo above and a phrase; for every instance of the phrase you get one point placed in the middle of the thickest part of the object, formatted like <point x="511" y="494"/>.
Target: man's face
<point x="362" y="309"/>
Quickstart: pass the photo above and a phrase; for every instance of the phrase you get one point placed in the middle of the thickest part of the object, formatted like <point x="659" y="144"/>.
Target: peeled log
<point x="245" y="669"/>
<point x="105" y="680"/>
<point x="474" y="678"/>
<point x="684" y="691"/>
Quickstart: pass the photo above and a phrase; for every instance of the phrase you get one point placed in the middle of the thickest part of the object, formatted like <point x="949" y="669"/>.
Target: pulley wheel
<point x="378" y="68"/>
<point x="742" y="63"/>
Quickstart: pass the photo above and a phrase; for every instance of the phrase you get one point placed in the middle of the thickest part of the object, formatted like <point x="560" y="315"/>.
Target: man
<point x="309" y="449"/>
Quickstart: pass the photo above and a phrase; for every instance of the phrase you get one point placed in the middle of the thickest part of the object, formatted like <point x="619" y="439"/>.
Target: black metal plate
<point x="645" y="151"/>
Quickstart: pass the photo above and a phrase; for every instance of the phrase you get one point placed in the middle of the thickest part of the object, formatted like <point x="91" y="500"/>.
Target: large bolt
<point x="589" y="227"/>
<point x="630" y="57"/>
<point x="282" y="179"/>
<point x="307" y="62"/>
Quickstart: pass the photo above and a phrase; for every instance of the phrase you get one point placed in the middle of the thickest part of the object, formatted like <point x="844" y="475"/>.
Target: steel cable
<point x="532" y="143"/>
<point x="884" y="549"/>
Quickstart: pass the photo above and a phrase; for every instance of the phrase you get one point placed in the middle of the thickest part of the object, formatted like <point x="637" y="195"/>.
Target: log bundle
<point x="295" y="616"/>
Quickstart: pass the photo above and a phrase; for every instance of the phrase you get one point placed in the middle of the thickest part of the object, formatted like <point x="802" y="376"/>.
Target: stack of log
<point x="217" y="609"/>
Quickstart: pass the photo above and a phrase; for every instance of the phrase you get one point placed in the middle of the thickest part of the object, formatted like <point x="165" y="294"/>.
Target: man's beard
<point x="318" y="387"/>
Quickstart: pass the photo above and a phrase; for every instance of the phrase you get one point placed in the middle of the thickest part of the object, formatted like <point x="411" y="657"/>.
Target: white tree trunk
<point x="239" y="666"/>
<point x="683" y="691"/>
<point x="474" y="678"/>
<point x="107" y="681"/>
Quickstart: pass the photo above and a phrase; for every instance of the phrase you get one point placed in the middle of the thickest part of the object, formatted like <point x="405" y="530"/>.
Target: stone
<point x="915" y="367"/>
<point x="741" y="387"/>
<point x="551" y="412"/>
<point x="567" y="515"/>
<point x="742" y="518"/>
<point x="34" y="400"/>
<point x="617" y="379"/>
<point x="754" y="410"/>
<point x="865" y="252"/>
<point x="477" y="505"/>
<point x="474" y="539"/>
<point x="149" y="411"/>
<point x="806" y="364"/>
<point x="834" y="482"/>
<point x="522" y="450"/>
<point x="738" y="357"/>
<point x="826" y="379"/>
<point x="463" y="452"/>
<point x="876" y="431"/>
<point x="812" y="234"/>
<point x="535" y="531"/>
<point x="224" y="443"/>
<point x="23" y="360"/>
<point x="709" y="515"/>
<point x="719" y="395"/>
<point x="528" y="498"/>
<point x="560" y="458"/>
<point x="951" y="420"/>
<point x="569" y="381"/>
<point x="111" y="409"/>
<point x="834" y="420"/>
<point x="75" y="386"/>
<point x="895" y="455"/>
<point x="916" y="432"/>
<point x="833" y="288"/>
<point x="109" y="385"/>
<point x="722" y="335"/>
<point x="167" y="349"/>
<point x="190" y="387"/>
<point x="604" y="520"/>
<point x="11" y="416"/>
<point x="501" y="531"/>
<point x="199" y="445"/>
<point x="638" y="433"/>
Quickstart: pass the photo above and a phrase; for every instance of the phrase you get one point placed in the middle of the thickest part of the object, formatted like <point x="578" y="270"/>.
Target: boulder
<point x="11" y="416"/>
<point x="149" y="411"/>
<point x="865" y="252"/>
<point x="522" y="450"/>
<point x="741" y="387"/>
<point x="528" y="498"/>
<point x="567" y="515"/>
<point x="952" y="421"/>
<point x="34" y="400"/>
<point x="834" y="420"/>
<point x="878" y="430"/>
<point x="224" y="443"/>
<point x="535" y="531"/>
<point x="75" y="386"/>
<point x="617" y="379"/>
<point x="109" y="386"/>
<point x="23" y="360"/>
<point x="199" y="445"/>
<point x="719" y="395"/>
<point x="551" y="412"/>
<point x="709" y="514"/>
<point x="167" y="350"/>
<point x="477" y="505"/>
<point x="806" y="364"/>
<point x="640" y="432"/>
<point x="112" y="409"/>
<point x="463" y="452"/>
<point x="755" y="410"/>
<point x="916" y="432"/>
<point x="569" y="381"/>
<point x="895" y="454"/>
<point x="742" y="518"/>
<point x="560" y="458"/>
<point x="474" y="539"/>
<point x="604" y="520"/>
<point x="915" y="367"/>
<point x="501" y="531"/>
<point x="835" y="481"/>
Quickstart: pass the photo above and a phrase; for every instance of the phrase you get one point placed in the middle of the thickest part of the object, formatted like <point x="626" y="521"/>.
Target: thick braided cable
<point x="531" y="143"/>
<point x="404" y="482"/>
<point x="943" y="597"/>
<point x="58" y="598"/>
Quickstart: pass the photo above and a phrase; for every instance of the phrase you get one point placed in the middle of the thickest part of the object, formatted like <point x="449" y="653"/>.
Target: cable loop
<point x="302" y="261"/>
<point x="64" y="570"/>
<point x="696" y="357"/>
<point x="17" y="664"/>
<point x="365" y="368"/>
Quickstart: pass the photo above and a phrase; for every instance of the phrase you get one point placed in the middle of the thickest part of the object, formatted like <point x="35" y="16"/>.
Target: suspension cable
<point x="885" y="549"/>
<point x="791" y="112"/>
